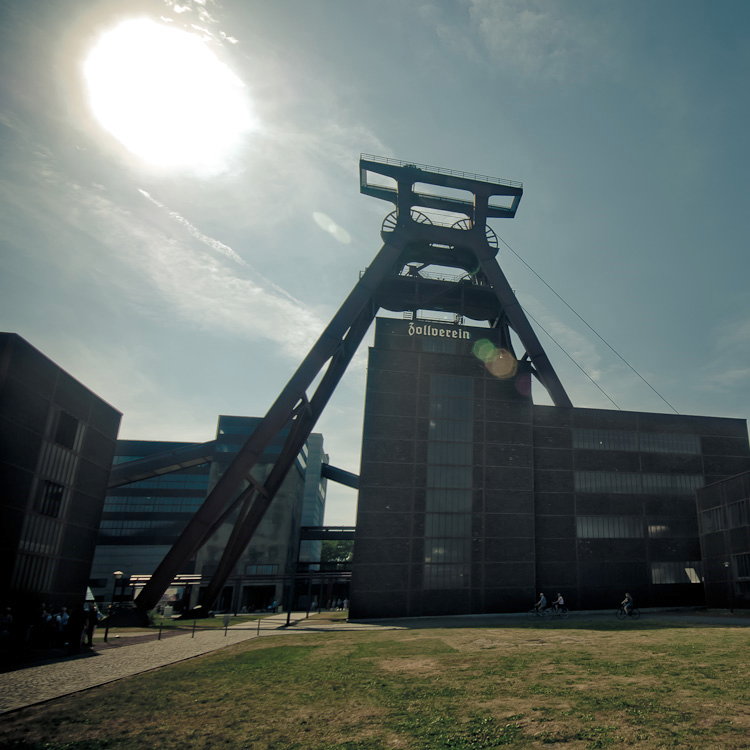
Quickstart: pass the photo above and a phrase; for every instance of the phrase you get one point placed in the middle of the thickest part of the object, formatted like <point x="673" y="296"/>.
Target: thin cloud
<point x="190" y="281"/>
<point x="214" y="244"/>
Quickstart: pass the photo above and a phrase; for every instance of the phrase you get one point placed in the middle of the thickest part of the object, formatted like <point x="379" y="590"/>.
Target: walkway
<point x="44" y="682"/>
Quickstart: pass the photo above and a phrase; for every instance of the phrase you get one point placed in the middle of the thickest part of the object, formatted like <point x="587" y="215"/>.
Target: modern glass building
<point x="473" y="499"/>
<point x="143" y="519"/>
<point x="265" y="571"/>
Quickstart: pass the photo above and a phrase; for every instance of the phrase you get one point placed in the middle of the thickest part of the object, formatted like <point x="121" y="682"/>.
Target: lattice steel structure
<point x="439" y="220"/>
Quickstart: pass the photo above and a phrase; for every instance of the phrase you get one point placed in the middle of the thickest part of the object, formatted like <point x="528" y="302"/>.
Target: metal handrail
<point x="442" y="170"/>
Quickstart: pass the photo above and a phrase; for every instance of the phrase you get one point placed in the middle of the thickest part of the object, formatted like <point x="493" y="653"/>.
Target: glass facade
<point x="637" y="483"/>
<point x="447" y="554"/>
<point x="143" y="519"/>
<point x="645" y="442"/>
<point x="676" y="572"/>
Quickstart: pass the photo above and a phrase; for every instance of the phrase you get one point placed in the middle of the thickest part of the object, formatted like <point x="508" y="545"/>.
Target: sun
<point x="166" y="96"/>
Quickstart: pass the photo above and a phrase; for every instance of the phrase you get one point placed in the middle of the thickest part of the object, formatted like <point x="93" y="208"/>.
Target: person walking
<point x="92" y="620"/>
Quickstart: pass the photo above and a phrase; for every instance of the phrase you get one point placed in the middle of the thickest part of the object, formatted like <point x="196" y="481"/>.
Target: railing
<point x="455" y="278"/>
<point x="442" y="170"/>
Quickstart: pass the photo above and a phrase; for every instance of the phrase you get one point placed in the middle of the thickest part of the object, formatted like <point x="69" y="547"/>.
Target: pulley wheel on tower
<point x="390" y="221"/>
<point x="489" y="234"/>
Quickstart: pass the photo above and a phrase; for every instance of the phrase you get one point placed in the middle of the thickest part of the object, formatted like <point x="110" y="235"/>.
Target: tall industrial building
<point x="473" y="499"/>
<point x="57" y="439"/>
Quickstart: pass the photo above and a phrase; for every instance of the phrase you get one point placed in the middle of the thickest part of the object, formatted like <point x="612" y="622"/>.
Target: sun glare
<point x="166" y="96"/>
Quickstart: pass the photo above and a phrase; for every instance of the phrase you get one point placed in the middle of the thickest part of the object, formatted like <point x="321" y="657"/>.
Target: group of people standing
<point x="50" y="627"/>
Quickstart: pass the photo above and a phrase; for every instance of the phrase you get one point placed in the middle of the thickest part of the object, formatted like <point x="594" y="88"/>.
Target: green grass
<point x="574" y="684"/>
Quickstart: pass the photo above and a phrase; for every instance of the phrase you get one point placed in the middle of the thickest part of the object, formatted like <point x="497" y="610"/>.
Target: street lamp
<point x="118" y="575"/>
<point x="730" y="587"/>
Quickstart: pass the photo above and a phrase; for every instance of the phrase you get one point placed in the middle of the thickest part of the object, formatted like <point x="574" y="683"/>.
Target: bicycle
<point x="559" y="611"/>
<point x="622" y="614"/>
<point x="534" y="612"/>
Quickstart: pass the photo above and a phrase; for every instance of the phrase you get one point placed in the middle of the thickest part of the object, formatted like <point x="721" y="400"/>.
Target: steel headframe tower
<point x="412" y="241"/>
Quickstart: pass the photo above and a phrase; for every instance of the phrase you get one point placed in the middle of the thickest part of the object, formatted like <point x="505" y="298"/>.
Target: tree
<point x="340" y="551"/>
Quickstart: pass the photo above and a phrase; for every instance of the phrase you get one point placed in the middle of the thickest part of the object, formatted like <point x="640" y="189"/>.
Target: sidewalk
<point x="43" y="682"/>
<point x="115" y="660"/>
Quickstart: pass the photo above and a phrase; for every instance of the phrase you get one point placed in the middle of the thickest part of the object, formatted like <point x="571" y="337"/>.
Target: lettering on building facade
<point x="447" y="333"/>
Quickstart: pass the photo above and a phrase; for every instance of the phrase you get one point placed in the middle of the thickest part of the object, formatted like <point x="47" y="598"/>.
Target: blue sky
<point x="178" y="293"/>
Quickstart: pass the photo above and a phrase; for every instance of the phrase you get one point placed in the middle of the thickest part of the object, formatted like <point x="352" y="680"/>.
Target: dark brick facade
<point x="472" y="499"/>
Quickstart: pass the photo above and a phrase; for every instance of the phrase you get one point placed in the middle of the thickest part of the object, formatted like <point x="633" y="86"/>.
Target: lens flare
<point x="500" y="362"/>
<point x="484" y="349"/>
<point x="503" y="365"/>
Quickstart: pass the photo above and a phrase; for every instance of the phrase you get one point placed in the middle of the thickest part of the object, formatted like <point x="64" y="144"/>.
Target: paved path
<point x="43" y="682"/>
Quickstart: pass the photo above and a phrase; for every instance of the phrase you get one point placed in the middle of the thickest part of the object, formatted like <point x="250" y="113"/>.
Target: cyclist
<point x="559" y="604"/>
<point x="627" y="604"/>
<point x="541" y="605"/>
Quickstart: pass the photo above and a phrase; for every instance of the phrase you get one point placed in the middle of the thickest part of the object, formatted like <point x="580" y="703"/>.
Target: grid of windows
<point x="174" y="481"/>
<point x="449" y="476"/>
<point x="126" y="504"/>
<point x="33" y="572"/>
<point x="124" y="527"/>
<point x="40" y="535"/>
<point x="451" y="430"/>
<point x="738" y="514"/>
<point x="645" y="442"/>
<point x="444" y="500"/>
<point x="634" y="483"/>
<point x="672" y="527"/>
<point x="447" y="550"/>
<point x="609" y="527"/>
<point x="440" y="346"/>
<point x="261" y="570"/>
<point x="447" y="544"/>
<point x="723" y="517"/>
<point x="676" y="572"/>
<point x="51" y="496"/>
<point x="444" y="576"/>
<point x="449" y="453"/>
<point x="713" y="519"/>
<point x="67" y="430"/>
<point x="447" y="525"/>
<point x="742" y="565"/>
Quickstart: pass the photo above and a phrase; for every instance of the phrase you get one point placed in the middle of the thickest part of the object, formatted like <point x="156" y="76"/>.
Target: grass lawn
<point x="574" y="683"/>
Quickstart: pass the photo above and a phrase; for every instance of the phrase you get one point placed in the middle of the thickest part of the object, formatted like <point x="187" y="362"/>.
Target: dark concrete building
<point x="724" y="523"/>
<point x="57" y="439"/>
<point x="473" y="499"/>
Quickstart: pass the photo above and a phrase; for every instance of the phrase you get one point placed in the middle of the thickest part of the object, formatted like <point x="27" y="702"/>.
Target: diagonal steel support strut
<point x="337" y="343"/>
